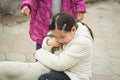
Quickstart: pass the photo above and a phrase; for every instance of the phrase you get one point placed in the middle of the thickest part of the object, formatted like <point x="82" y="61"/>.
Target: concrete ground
<point x="103" y="18"/>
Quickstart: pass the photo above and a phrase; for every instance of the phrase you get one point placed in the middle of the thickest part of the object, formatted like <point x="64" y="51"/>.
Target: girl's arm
<point x="45" y="45"/>
<point x="49" y="43"/>
<point x="78" y="51"/>
<point x="80" y="6"/>
<point x="29" y="3"/>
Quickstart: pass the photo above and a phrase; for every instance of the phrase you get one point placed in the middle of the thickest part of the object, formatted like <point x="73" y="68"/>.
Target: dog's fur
<point x="21" y="71"/>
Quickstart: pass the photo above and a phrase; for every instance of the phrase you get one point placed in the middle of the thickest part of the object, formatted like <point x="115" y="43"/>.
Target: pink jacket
<point x="41" y="12"/>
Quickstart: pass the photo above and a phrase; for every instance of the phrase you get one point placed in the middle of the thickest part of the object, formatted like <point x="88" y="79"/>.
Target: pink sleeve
<point x="28" y="3"/>
<point x="80" y="5"/>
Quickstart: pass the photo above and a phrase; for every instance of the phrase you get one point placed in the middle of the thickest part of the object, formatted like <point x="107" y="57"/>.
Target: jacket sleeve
<point x="28" y="3"/>
<point x="80" y="5"/>
<point x="65" y="60"/>
<point x="45" y="46"/>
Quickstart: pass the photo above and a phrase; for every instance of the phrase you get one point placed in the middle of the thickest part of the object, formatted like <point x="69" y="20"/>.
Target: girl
<point x="65" y="56"/>
<point x="43" y="10"/>
<point x="71" y="60"/>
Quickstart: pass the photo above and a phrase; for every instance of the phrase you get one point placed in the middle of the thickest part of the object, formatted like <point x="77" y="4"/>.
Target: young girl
<point x="43" y="10"/>
<point x="69" y="61"/>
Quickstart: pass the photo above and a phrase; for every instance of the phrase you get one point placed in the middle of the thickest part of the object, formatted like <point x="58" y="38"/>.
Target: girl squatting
<point x="65" y="56"/>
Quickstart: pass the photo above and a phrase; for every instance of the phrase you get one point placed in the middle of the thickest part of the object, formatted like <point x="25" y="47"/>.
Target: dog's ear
<point x="54" y="49"/>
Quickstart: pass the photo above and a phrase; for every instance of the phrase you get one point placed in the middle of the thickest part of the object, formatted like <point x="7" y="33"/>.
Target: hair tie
<point x="64" y="26"/>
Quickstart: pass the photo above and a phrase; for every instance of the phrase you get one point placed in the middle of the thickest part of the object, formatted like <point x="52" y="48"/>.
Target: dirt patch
<point x="9" y="20"/>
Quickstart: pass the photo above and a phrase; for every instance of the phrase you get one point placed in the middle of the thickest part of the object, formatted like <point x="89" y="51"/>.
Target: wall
<point x="10" y="7"/>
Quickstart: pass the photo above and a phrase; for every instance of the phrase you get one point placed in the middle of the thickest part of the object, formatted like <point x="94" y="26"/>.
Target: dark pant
<point x="54" y="75"/>
<point x="38" y="46"/>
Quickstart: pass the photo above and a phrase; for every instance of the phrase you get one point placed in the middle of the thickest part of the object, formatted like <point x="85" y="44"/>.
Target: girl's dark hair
<point x="65" y="22"/>
<point x="89" y="29"/>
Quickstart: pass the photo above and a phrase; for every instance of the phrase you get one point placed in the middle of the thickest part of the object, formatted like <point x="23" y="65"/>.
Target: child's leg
<point x="38" y="46"/>
<point x="21" y="71"/>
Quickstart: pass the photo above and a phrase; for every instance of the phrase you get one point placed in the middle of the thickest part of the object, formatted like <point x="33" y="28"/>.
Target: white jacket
<point x="73" y="59"/>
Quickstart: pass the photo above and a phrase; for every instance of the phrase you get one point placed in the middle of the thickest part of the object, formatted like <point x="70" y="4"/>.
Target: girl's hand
<point x="25" y="11"/>
<point x="53" y="42"/>
<point x="80" y="16"/>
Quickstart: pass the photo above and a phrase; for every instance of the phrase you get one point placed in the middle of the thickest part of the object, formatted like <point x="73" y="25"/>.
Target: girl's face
<point x="64" y="37"/>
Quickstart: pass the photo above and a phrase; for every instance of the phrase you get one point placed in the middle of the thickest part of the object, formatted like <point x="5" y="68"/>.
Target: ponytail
<point x="89" y="29"/>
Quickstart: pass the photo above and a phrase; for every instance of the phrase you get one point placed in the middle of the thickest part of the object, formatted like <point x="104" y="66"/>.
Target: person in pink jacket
<point x="42" y="11"/>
